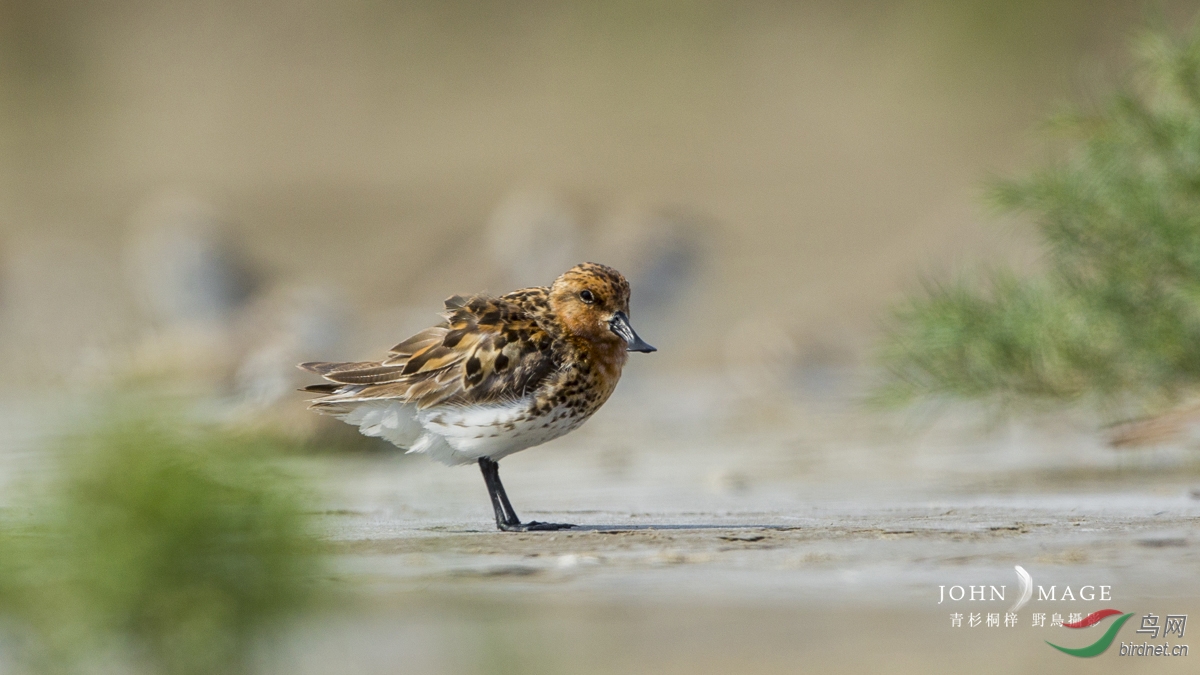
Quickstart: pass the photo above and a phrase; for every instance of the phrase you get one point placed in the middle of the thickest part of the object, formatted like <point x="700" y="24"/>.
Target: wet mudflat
<point x="785" y="551"/>
<point x="714" y="538"/>
<point x="841" y="588"/>
<point x="890" y="555"/>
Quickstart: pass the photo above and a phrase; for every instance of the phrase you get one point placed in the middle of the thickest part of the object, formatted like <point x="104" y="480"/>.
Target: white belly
<point x="462" y="434"/>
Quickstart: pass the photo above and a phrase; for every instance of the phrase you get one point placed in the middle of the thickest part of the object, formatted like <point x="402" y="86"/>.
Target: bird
<point x="498" y="375"/>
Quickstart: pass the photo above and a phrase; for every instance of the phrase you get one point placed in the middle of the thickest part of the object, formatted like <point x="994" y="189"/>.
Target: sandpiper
<point x="497" y="376"/>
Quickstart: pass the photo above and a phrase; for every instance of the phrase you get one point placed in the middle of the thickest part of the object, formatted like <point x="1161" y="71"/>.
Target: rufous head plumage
<point x="592" y="301"/>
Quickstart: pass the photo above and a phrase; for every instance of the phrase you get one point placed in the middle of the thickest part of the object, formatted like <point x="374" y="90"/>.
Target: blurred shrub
<point x="164" y="546"/>
<point x="1117" y="315"/>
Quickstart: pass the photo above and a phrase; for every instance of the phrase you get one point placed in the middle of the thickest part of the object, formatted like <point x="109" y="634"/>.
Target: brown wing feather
<point x="487" y="350"/>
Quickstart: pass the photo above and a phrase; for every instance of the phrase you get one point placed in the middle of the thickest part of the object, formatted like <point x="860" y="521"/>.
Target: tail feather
<point x="360" y="372"/>
<point x="326" y="367"/>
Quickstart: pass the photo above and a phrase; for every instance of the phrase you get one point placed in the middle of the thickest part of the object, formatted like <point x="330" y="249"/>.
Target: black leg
<point x="490" y="478"/>
<point x="506" y="517"/>
<point x="512" y="518"/>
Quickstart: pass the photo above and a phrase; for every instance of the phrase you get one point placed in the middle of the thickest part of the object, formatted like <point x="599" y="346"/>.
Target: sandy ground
<point x="722" y="535"/>
<point x="817" y="543"/>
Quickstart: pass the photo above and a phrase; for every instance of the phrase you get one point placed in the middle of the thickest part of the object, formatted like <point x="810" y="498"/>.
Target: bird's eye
<point x="588" y="297"/>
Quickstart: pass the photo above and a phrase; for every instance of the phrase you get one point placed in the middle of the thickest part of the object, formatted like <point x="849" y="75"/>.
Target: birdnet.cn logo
<point x="1144" y="642"/>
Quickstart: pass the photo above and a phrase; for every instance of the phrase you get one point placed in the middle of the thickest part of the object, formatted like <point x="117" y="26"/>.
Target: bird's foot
<point x="534" y="526"/>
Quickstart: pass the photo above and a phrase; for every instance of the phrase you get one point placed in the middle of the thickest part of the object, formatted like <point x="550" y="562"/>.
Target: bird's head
<point x="592" y="301"/>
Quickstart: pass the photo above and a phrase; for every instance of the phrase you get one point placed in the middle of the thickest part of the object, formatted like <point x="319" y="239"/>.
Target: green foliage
<point x="1117" y="314"/>
<point x="166" y="546"/>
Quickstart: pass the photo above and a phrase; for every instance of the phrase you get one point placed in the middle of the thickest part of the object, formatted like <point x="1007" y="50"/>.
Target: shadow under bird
<point x="497" y="376"/>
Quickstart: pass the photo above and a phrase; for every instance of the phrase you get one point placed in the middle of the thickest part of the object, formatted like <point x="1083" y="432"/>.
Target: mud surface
<point x="735" y="539"/>
<point x="819" y="545"/>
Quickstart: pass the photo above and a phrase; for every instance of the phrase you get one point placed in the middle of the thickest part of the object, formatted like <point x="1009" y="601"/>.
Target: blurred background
<point x="194" y="197"/>
<point x="790" y="164"/>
